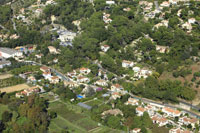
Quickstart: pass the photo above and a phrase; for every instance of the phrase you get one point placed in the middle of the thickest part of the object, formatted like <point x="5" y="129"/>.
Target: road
<point x="134" y="96"/>
<point x="161" y="104"/>
<point x="59" y="74"/>
<point x="157" y="5"/>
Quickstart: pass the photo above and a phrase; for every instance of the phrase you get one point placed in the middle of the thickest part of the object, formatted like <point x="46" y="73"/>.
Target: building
<point x="83" y="79"/>
<point x="110" y="2"/>
<point x="116" y="88"/>
<point x="161" y="121"/>
<point x="135" y="130"/>
<point x="127" y="64"/>
<point x="72" y="74"/>
<point x="9" y="53"/>
<point x="115" y="95"/>
<point x="132" y="101"/>
<point x="189" y="121"/>
<point x="70" y="84"/>
<point x="178" y="130"/>
<point x="169" y="112"/>
<point x="101" y="82"/>
<point x="47" y="75"/>
<point x="85" y="70"/>
<point x="4" y="63"/>
<point x="52" y="50"/>
<point x="162" y="49"/>
<point x="45" y="69"/>
<point x="105" y="48"/>
<point x="165" y="4"/>
<point x="114" y="112"/>
<point x="191" y="20"/>
<point x="140" y="111"/>
<point x="54" y="80"/>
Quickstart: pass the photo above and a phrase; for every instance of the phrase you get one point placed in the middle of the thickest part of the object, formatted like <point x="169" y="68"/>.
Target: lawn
<point x="67" y="118"/>
<point x="93" y="102"/>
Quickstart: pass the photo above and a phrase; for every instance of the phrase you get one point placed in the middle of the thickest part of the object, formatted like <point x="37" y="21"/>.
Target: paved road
<point x="161" y="104"/>
<point x="59" y="74"/>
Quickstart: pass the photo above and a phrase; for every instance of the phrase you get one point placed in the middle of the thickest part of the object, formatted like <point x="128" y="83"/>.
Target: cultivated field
<point x="5" y="76"/>
<point x="14" y="88"/>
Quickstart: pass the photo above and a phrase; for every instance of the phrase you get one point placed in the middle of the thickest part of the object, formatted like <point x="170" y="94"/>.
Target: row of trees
<point x="11" y="81"/>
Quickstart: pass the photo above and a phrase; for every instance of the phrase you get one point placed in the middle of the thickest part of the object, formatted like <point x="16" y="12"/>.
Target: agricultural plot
<point x="14" y="88"/>
<point x="5" y="76"/>
<point x="94" y="102"/>
<point x="68" y="119"/>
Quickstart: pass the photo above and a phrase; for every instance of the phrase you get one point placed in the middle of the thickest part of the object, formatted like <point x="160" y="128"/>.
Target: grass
<point x="93" y="103"/>
<point x="69" y="119"/>
<point x="3" y="108"/>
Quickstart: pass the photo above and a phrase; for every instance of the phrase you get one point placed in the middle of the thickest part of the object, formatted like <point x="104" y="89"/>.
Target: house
<point x="169" y="112"/>
<point x="106" y="18"/>
<point x="52" y="50"/>
<point x="45" y="69"/>
<point x="135" y="130"/>
<point x="132" y="101"/>
<point x="126" y="9"/>
<point x="101" y="82"/>
<point x="150" y="110"/>
<point x="83" y="79"/>
<point x="54" y="80"/>
<point x="110" y="2"/>
<point x="32" y="79"/>
<point x="72" y="74"/>
<point x="8" y="53"/>
<point x="140" y="111"/>
<point x="191" y="20"/>
<point x="127" y="64"/>
<point x="136" y="69"/>
<point x="46" y="75"/>
<point x="114" y="112"/>
<point x="178" y="130"/>
<point x="189" y="121"/>
<point x="115" y="95"/>
<point x="165" y="4"/>
<point x="84" y="70"/>
<point x="39" y="56"/>
<point x="161" y="121"/>
<point x="70" y="84"/>
<point x="105" y="48"/>
<point x="173" y="2"/>
<point x="4" y="63"/>
<point x="116" y="88"/>
<point x="162" y="49"/>
<point x="187" y="26"/>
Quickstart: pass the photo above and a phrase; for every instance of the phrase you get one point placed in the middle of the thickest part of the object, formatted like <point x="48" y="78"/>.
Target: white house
<point x="116" y="88"/>
<point x="70" y="84"/>
<point x="165" y="4"/>
<point x="54" y="80"/>
<point x="110" y="2"/>
<point x="140" y="111"/>
<point x="189" y="121"/>
<point x="135" y="130"/>
<point x="8" y="53"/>
<point x="84" y="70"/>
<point x="171" y="112"/>
<point x="132" y="101"/>
<point x="191" y="20"/>
<point x="127" y="64"/>
<point x="115" y="95"/>
<point x="101" y="82"/>
<point x="162" y="49"/>
<point x="105" y="48"/>
<point x="136" y="69"/>
<point x="161" y="121"/>
<point x="52" y="50"/>
<point x="47" y="75"/>
<point x="82" y="79"/>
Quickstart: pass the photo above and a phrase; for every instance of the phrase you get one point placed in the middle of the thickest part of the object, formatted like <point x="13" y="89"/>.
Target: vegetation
<point x="11" y="81"/>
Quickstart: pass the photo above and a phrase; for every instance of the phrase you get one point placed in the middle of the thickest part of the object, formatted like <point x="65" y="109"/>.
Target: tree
<point x="113" y="122"/>
<point x="2" y="126"/>
<point x="6" y="116"/>
<point x="147" y="122"/>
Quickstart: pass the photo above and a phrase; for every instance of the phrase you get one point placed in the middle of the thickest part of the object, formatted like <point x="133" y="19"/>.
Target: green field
<point x="94" y="102"/>
<point x="69" y="119"/>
